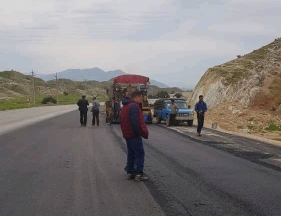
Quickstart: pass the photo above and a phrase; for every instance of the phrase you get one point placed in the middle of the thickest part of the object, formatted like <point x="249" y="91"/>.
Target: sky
<point x="172" y="41"/>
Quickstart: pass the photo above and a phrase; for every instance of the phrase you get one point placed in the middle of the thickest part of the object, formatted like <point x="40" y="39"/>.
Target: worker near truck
<point x="96" y="111"/>
<point x="134" y="129"/>
<point x="200" y="109"/>
<point x="174" y="111"/>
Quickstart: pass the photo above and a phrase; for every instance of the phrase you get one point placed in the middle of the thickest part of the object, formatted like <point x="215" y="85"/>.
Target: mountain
<point x="96" y="74"/>
<point x="245" y="93"/>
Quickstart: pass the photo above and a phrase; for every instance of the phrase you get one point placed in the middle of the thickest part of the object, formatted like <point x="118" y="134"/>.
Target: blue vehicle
<point x="162" y="111"/>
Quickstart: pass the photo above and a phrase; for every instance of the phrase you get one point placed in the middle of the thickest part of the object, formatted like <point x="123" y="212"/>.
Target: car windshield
<point x="181" y="104"/>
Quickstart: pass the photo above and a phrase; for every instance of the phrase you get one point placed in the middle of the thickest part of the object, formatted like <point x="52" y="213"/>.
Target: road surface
<point x="56" y="167"/>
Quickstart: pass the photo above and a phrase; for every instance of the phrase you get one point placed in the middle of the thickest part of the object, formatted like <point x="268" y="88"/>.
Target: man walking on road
<point x="200" y="109"/>
<point x="174" y="111"/>
<point x="83" y="108"/>
<point x="133" y="129"/>
<point x="96" y="111"/>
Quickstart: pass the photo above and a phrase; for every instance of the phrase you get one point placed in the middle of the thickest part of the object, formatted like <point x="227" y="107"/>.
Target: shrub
<point x="178" y="95"/>
<point x="49" y="99"/>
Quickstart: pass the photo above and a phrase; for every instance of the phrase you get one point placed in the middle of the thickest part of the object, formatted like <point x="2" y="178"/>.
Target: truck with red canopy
<point x="122" y="86"/>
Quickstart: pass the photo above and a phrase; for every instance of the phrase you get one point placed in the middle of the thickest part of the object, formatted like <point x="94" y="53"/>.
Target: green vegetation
<point x="49" y="99"/>
<point x="22" y="102"/>
<point x="240" y="68"/>
<point x="178" y="95"/>
<point x="250" y="127"/>
<point x="277" y="139"/>
<point x="16" y="88"/>
<point x="273" y="127"/>
<point x="6" y="74"/>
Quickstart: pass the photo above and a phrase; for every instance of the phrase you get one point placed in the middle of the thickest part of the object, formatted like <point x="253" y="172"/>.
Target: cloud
<point x="160" y="36"/>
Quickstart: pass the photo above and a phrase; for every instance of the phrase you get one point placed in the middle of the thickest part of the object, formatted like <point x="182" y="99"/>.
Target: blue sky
<point x="173" y="41"/>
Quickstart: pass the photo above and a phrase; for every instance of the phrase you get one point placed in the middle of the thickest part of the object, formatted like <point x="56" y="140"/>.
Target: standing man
<point x="174" y="111"/>
<point x="83" y="108"/>
<point x="133" y="129"/>
<point x="116" y="109"/>
<point x="96" y="111"/>
<point x="200" y="109"/>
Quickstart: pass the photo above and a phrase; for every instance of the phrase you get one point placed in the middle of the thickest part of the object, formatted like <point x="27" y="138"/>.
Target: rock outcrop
<point x="250" y="81"/>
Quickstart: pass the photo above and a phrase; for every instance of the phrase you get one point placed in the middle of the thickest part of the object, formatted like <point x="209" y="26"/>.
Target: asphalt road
<point x="56" y="167"/>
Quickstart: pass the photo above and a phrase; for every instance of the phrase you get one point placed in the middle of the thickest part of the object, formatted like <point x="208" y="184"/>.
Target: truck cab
<point x="162" y="111"/>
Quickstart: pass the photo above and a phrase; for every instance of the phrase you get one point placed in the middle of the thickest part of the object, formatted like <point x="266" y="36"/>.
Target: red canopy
<point x="131" y="78"/>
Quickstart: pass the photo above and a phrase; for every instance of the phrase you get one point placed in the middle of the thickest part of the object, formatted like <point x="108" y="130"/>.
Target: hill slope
<point x="14" y="84"/>
<point x="245" y="93"/>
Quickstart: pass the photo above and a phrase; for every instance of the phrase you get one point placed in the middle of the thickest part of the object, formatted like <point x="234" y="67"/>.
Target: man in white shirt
<point x="96" y="111"/>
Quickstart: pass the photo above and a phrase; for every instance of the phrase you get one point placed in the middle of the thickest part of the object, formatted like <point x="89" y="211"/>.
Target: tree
<point x="65" y="93"/>
<point x="178" y="95"/>
<point x="162" y="94"/>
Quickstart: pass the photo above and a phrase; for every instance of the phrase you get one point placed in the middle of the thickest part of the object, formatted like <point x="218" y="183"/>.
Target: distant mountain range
<point x="96" y="74"/>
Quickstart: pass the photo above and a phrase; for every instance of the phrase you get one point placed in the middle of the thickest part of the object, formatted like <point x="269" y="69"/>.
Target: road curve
<point x="57" y="167"/>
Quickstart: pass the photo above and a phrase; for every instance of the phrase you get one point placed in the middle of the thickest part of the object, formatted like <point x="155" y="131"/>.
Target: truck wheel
<point x="190" y="123"/>
<point x="158" y="119"/>
<point x="168" y="120"/>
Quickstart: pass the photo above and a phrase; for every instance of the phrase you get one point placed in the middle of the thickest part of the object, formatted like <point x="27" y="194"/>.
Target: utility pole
<point x="33" y="88"/>
<point x="85" y="81"/>
<point x="56" y="76"/>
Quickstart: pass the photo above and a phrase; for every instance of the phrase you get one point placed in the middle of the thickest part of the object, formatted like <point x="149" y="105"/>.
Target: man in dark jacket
<point x="200" y="109"/>
<point x="133" y="129"/>
<point x="83" y="108"/>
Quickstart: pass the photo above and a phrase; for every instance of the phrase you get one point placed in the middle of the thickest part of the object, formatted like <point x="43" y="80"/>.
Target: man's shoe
<point x="141" y="178"/>
<point x="130" y="176"/>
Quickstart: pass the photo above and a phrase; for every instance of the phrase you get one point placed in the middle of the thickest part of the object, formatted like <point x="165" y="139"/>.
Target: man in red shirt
<point x="134" y="129"/>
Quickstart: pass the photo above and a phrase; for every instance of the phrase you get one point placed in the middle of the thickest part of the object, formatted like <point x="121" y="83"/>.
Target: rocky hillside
<point x="245" y="93"/>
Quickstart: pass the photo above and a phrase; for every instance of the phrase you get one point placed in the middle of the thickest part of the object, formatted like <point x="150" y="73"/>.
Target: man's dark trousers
<point x="83" y="117"/>
<point x="200" y="122"/>
<point x="96" y="114"/>
<point x="135" y="155"/>
<point x="172" y="121"/>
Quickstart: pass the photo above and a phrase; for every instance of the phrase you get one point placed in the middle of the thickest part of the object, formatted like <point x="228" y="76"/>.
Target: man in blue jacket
<point x="200" y="109"/>
<point x="134" y="129"/>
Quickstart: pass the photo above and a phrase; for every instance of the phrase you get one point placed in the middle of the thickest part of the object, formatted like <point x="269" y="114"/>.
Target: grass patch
<point x="6" y="74"/>
<point x="250" y="127"/>
<point x="277" y="139"/>
<point x="273" y="127"/>
<point x="22" y="102"/>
